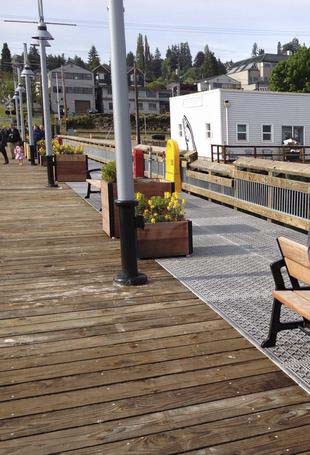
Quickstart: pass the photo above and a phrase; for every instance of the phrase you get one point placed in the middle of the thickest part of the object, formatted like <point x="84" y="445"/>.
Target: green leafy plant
<point x="160" y="209"/>
<point x="108" y="172"/>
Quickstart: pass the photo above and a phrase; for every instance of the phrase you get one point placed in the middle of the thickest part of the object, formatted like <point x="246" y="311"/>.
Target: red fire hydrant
<point x="138" y="163"/>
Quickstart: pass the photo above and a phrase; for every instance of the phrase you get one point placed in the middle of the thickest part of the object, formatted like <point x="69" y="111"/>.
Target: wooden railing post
<point x="212" y="151"/>
<point x="218" y="153"/>
<point x="255" y="152"/>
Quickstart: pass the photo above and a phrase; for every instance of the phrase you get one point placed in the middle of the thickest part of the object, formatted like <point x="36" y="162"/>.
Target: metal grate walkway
<point x="230" y="272"/>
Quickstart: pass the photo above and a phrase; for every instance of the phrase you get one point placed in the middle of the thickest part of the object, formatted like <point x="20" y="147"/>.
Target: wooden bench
<point x="296" y="262"/>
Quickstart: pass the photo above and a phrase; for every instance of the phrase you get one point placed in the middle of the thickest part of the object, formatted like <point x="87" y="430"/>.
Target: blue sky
<point x="228" y="27"/>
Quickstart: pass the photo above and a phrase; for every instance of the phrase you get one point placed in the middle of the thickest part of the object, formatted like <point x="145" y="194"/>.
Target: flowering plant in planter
<point x="158" y="209"/>
<point x="60" y="149"/>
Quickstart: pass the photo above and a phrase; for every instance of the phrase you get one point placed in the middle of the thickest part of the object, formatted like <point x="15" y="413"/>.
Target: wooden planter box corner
<point x="110" y="213"/>
<point x="163" y="240"/>
<point x="70" y="168"/>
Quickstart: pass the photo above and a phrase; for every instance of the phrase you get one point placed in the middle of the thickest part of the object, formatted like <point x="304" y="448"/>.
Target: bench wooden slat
<point x="94" y="182"/>
<point x="295" y="301"/>
<point x="296" y="259"/>
<point x="294" y="251"/>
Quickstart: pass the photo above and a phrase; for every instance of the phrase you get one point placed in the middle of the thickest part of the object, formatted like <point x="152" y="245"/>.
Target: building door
<point x="82" y="106"/>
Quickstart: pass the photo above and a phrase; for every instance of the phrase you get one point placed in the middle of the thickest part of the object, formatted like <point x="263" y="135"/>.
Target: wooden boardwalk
<point x="89" y="368"/>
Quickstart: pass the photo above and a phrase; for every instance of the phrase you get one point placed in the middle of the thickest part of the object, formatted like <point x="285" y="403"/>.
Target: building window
<point x="242" y="132"/>
<point x="208" y="130"/>
<point x="152" y="106"/>
<point x="141" y="106"/>
<point x="293" y="132"/>
<point x="111" y="106"/>
<point x="267" y="133"/>
<point x="180" y="129"/>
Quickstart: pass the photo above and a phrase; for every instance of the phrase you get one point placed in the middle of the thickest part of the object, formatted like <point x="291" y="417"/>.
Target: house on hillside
<point x="254" y="73"/>
<point x="239" y="118"/>
<point x="150" y="101"/>
<point x="221" y="81"/>
<point x="79" y="89"/>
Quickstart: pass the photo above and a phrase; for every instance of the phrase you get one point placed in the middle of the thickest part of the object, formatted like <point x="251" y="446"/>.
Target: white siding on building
<point x="200" y="109"/>
<point x="253" y="109"/>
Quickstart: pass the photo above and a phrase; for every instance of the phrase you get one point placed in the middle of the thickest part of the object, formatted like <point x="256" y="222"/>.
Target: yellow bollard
<point x="173" y="169"/>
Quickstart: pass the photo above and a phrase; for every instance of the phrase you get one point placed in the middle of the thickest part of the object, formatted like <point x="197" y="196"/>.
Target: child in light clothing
<point x="20" y="153"/>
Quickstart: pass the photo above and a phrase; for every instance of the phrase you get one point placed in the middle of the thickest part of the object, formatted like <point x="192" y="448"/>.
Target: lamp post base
<point x="32" y="156"/>
<point x="129" y="276"/>
<point x="123" y="279"/>
<point x="50" y="172"/>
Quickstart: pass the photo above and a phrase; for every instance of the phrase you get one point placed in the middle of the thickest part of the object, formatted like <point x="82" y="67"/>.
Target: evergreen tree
<point x="199" y="59"/>
<point x="260" y="51"/>
<point x="279" y="48"/>
<point x="6" y="59"/>
<point x="221" y="68"/>
<point x="254" y="50"/>
<point x="185" y="57"/>
<point x="292" y="47"/>
<point x="148" y="58"/>
<point x="34" y="58"/>
<point x="140" y="57"/>
<point x="130" y="59"/>
<point x="93" y="58"/>
<point x="79" y="62"/>
<point x="55" y="61"/>
<point x="210" y="65"/>
<point x="156" y="64"/>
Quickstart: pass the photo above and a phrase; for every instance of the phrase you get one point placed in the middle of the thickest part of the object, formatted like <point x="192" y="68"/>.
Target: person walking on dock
<point x="3" y="143"/>
<point x="20" y="153"/>
<point x="13" y="137"/>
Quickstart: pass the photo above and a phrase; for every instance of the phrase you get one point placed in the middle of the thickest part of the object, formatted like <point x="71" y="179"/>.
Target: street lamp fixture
<point x="28" y="74"/>
<point x="43" y="36"/>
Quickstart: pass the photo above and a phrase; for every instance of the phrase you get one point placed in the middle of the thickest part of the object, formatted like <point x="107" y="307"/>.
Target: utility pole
<point x="28" y="75"/>
<point x="64" y="95"/>
<point x="58" y="104"/>
<point x="21" y="91"/>
<point x="138" y="132"/>
<point x="129" y="276"/>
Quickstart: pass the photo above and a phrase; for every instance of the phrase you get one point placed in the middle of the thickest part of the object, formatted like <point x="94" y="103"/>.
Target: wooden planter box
<point x="70" y="168"/>
<point x="163" y="240"/>
<point x="42" y="160"/>
<point x="110" y="213"/>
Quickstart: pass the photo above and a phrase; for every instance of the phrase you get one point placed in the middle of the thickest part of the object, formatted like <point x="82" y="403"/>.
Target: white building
<point x="221" y="81"/>
<point x="239" y="118"/>
<point x="79" y="86"/>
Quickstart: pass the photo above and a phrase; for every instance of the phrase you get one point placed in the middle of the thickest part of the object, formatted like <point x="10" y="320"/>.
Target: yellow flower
<point x="167" y="195"/>
<point x="167" y="217"/>
<point x="183" y="201"/>
<point x="153" y="221"/>
<point x="176" y="195"/>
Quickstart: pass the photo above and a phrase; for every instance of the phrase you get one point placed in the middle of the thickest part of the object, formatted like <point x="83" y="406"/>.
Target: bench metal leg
<point x="274" y="325"/>
<point x="88" y="191"/>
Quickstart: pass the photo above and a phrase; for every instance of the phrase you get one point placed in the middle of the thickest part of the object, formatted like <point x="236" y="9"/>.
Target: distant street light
<point x="125" y="188"/>
<point x="21" y="91"/>
<point x="16" y="101"/>
<point x="27" y="73"/>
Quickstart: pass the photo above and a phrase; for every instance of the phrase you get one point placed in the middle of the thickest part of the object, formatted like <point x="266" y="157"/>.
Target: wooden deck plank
<point x="87" y="367"/>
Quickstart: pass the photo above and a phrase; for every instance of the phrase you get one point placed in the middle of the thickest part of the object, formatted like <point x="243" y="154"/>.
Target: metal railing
<point x="230" y="153"/>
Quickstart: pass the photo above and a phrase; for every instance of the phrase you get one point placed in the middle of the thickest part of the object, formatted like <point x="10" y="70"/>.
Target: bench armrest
<point x="89" y="171"/>
<point x="277" y="274"/>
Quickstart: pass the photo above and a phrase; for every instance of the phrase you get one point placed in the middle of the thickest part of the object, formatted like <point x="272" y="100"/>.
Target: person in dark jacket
<point x="3" y="143"/>
<point x="13" y="137"/>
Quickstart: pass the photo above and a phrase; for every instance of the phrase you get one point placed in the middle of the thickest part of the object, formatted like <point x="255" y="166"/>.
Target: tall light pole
<point x="43" y="36"/>
<point x="27" y="74"/>
<point x="125" y="189"/>
<point x="58" y="104"/>
<point x="16" y="101"/>
<point x="138" y="131"/>
<point x="21" y="91"/>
